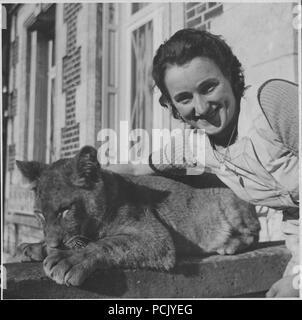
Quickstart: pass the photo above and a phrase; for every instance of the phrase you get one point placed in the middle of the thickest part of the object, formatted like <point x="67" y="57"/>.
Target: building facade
<point x="75" y="68"/>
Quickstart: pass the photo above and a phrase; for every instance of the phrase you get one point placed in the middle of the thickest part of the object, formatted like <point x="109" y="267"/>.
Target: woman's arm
<point x="134" y="169"/>
<point x="279" y="100"/>
<point x="187" y="153"/>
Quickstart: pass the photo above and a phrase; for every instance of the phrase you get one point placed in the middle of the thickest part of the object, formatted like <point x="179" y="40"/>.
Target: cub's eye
<point x="65" y="213"/>
<point x="40" y="216"/>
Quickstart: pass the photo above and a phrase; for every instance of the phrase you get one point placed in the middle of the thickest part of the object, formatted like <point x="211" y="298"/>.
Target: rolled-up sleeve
<point x="188" y="153"/>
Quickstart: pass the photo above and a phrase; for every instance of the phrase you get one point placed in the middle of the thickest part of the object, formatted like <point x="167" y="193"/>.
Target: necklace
<point x="221" y="158"/>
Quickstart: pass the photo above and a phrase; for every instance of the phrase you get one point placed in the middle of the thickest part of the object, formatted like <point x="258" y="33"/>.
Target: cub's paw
<point x="236" y="244"/>
<point x="27" y="252"/>
<point x="69" y="267"/>
<point x="231" y="247"/>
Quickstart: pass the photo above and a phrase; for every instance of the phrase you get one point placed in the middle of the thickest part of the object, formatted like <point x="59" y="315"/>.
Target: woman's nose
<point x="200" y="105"/>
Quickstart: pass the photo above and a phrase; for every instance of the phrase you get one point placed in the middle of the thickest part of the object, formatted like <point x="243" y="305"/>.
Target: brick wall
<point x="12" y="104"/>
<point x="71" y="78"/>
<point x="12" y="95"/>
<point x="11" y="156"/>
<point x="199" y="14"/>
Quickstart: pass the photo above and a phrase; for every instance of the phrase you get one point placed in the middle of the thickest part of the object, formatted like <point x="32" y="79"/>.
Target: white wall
<point x="262" y="37"/>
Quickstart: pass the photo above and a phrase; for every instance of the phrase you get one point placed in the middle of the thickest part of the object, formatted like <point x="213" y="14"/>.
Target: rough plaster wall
<point x="262" y="37"/>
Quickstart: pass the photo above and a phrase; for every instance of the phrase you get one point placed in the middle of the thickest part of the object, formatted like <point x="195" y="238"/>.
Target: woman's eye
<point x="208" y="88"/>
<point x="186" y="101"/>
<point x="183" y="98"/>
<point x="183" y="101"/>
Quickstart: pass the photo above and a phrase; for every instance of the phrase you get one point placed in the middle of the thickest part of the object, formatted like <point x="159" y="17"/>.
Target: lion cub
<point x="94" y="218"/>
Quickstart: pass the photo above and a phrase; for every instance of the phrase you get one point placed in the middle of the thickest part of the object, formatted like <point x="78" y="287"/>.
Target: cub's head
<point x="66" y="201"/>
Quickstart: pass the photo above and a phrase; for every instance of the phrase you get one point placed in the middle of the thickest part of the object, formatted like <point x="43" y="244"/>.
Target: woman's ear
<point x="167" y="103"/>
<point x="175" y="113"/>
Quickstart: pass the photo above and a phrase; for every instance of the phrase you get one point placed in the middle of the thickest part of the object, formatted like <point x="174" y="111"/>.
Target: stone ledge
<point x="245" y="274"/>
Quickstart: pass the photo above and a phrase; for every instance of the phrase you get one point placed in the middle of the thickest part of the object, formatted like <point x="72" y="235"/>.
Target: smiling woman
<point x="202" y="95"/>
<point x="200" y="79"/>
<point x="250" y="145"/>
<point x="202" y="84"/>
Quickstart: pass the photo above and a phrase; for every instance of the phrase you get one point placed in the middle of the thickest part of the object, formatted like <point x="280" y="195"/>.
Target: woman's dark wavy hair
<point x="187" y="44"/>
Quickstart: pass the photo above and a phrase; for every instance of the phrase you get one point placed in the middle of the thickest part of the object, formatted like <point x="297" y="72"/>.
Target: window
<point x="141" y="81"/>
<point x="110" y="90"/>
<point x="40" y="69"/>
<point x="141" y="35"/>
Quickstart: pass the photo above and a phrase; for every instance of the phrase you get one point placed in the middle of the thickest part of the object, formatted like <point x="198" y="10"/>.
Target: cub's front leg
<point x="70" y="267"/>
<point x="27" y="252"/>
<point x="73" y="267"/>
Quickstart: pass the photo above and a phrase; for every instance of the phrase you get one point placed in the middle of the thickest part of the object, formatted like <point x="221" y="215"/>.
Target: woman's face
<point x="201" y="94"/>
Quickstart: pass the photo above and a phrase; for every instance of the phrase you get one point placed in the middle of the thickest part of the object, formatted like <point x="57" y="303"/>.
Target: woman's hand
<point x="134" y="169"/>
<point x="283" y="288"/>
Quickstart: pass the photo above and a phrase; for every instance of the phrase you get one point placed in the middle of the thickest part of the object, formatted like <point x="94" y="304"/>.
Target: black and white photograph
<point x="150" y="150"/>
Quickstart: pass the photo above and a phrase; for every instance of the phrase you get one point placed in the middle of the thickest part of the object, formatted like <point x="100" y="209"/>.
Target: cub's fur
<point x="95" y="218"/>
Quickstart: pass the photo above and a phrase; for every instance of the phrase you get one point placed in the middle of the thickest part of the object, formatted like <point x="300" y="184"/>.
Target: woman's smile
<point x="202" y="94"/>
<point x="213" y="116"/>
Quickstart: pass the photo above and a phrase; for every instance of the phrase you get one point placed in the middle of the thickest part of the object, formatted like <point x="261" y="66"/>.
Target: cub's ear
<point x="31" y="170"/>
<point x="87" y="166"/>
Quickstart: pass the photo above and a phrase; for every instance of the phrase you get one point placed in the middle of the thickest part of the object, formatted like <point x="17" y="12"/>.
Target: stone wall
<point x="249" y="274"/>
